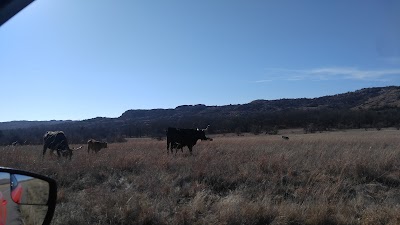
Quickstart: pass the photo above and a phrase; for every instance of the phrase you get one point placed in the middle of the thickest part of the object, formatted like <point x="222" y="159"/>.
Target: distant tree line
<point x="116" y="130"/>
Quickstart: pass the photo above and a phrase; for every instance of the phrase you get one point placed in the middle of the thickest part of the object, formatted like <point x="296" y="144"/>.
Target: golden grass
<point x="348" y="177"/>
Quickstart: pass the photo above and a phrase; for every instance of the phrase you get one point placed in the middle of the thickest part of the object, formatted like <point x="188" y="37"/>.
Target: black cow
<point x="56" y="141"/>
<point x="179" y="138"/>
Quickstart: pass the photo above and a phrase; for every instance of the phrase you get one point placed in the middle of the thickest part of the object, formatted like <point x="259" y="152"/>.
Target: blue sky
<point x="74" y="59"/>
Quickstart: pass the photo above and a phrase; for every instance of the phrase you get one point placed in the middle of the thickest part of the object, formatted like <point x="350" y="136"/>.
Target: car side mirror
<point x="26" y="198"/>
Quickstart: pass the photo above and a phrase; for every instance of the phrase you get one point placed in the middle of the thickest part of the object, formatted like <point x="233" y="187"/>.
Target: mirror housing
<point x="19" y="188"/>
<point x="9" y="8"/>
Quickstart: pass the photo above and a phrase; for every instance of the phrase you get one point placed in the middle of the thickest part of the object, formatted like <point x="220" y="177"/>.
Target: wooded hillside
<point x="366" y="108"/>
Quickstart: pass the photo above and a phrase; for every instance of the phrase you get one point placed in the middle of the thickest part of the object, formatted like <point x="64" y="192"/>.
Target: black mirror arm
<point x="8" y="8"/>
<point x="51" y="202"/>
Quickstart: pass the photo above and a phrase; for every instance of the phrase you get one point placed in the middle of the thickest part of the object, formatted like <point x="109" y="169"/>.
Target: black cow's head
<point x="201" y="134"/>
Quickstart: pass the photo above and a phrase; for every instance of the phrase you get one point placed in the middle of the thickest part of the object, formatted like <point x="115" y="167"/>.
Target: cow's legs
<point x="177" y="146"/>
<point x="171" y="145"/>
<point x="190" y="148"/>
<point x="181" y="148"/>
<point x="44" y="150"/>
<point x="168" y="143"/>
<point x="174" y="145"/>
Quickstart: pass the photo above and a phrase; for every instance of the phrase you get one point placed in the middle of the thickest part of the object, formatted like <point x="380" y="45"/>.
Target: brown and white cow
<point x="96" y="146"/>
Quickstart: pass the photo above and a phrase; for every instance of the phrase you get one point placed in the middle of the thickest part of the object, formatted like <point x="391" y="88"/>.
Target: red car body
<point x="16" y="194"/>
<point x="16" y="190"/>
<point x="3" y="210"/>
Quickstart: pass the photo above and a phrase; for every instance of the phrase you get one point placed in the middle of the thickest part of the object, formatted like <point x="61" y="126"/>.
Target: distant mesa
<point x="366" y="105"/>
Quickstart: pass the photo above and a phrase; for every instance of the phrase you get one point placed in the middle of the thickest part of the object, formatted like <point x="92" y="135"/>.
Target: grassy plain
<point x="344" y="177"/>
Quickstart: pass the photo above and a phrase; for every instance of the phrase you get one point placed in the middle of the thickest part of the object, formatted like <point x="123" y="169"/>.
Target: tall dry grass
<point x="348" y="177"/>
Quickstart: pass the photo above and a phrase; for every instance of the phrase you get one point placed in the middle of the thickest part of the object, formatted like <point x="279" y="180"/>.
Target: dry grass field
<point x="350" y="177"/>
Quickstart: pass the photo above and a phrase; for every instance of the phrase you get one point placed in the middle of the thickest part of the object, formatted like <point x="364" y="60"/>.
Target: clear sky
<point x="79" y="59"/>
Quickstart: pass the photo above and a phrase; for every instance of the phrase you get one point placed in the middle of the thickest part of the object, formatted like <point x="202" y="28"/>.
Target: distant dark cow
<point x="285" y="138"/>
<point x="95" y="146"/>
<point x="57" y="141"/>
<point x="179" y="138"/>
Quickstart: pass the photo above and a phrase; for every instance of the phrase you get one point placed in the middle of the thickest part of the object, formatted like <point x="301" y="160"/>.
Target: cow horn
<point x="77" y="148"/>
<point x="206" y="128"/>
